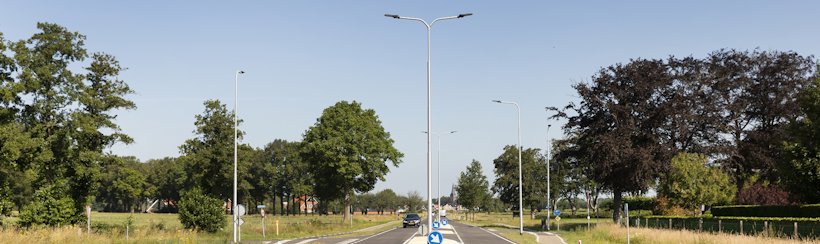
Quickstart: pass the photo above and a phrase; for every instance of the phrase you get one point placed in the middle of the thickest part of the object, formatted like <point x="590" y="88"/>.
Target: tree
<point x="616" y="124"/>
<point x="386" y="199"/>
<point x="123" y="185"/>
<point x="167" y="176"/>
<point x="51" y="207"/>
<point x="347" y="150"/>
<point x="199" y="211"/>
<point x="472" y="187"/>
<point x="209" y="156"/>
<point x="801" y="169"/>
<point x="414" y="202"/>
<point x="67" y="116"/>
<point x="534" y="179"/>
<point x="691" y="182"/>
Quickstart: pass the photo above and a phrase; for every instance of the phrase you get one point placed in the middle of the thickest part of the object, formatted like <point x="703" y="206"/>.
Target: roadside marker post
<point x="626" y="211"/>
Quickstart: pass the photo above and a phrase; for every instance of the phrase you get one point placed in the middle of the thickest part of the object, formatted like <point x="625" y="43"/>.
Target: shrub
<point x="758" y="194"/>
<point x="51" y="207"/>
<point x="799" y="211"/>
<point x="200" y="212"/>
<point x="640" y="203"/>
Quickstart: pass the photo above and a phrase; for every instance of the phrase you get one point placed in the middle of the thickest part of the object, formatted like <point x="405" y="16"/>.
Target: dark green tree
<point x="801" y="169"/>
<point x="473" y="188"/>
<point x="534" y="167"/>
<point x="347" y="151"/>
<point x="209" y="156"/>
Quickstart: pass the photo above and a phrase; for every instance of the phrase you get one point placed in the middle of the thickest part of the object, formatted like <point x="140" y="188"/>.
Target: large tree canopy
<point x="56" y="120"/>
<point x="534" y="168"/>
<point x="348" y="150"/>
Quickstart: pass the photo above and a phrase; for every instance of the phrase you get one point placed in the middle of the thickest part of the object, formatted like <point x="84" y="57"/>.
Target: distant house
<point x="307" y="204"/>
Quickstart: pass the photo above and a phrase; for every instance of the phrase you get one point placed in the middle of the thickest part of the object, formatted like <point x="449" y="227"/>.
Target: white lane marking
<point x="410" y="238"/>
<point x="502" y="238"/>
<point x="347" y="241"/>
<point x="306" y="241"/>
<point x="459" y="237"/>
<point x="283" y="241"/>
<point x="377" y="234"/>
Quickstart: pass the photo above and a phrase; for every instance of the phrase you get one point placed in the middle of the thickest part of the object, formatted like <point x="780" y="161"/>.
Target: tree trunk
<point x="616" y="205"/>
<point x="346" y="217"/>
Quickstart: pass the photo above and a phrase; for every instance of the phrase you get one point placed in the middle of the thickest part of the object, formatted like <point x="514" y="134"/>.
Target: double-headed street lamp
<point x="429" y="120"/>
<point x="438" y="158"/>
<point x="235" y="157"/>
<point x="520" y="185"/>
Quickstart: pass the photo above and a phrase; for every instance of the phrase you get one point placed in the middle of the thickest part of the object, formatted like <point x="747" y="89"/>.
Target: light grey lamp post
<point x="235" y="157"/>
<point x="520" y="185"/>
<point x="549" y="204"/>
<point x="438" y="156"/>
<point x="429" y="119"/>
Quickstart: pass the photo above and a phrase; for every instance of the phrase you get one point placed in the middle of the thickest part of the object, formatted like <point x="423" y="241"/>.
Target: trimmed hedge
<point x="797" y="211"/>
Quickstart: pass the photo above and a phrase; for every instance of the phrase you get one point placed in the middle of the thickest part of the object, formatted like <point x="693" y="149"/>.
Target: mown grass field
<point x="164" y="228"/>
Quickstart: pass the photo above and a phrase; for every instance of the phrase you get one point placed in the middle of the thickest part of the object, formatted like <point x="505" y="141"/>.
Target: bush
<point x="51" y="207"/>
<point x="200" y="212"/>
<point x="758" y="194"/>
<point x="798" y="211"/>
<point x="640" y="203"/>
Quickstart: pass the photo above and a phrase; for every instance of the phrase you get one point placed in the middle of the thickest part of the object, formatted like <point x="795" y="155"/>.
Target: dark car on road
<point x="411" y="219"/>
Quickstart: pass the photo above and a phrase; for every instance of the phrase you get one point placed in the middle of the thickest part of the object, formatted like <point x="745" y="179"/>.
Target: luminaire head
<point x="395" y="16"/>
<point x="464" y="15"/>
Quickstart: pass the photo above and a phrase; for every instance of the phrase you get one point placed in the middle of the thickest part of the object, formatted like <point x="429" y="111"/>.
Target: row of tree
<point x="686" y="127"/>
<point x="56" y="122"/>
<point x="743" y="110"/>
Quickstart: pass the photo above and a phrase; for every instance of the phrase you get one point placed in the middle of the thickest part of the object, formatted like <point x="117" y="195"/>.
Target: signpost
<point x="262" y="212"/>
<point x="240" y="211"/>
<point x="436" y="225"/>
<point x="444" y="222"/>
<point x="626" y="211"/>
<point x="557" y="213"/>
<point x="435" y="237"/>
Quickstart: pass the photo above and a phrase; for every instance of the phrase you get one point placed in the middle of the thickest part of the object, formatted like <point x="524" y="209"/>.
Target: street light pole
<point x="438" y="158"/>
<point x="429" y="114"/>
<point x="520" y="185"/>
<point x="235" y="157"/>
<point x="549" y="204"/>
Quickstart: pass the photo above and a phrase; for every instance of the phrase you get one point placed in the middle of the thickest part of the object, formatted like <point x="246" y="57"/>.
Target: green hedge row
<point x="797" y="211"/>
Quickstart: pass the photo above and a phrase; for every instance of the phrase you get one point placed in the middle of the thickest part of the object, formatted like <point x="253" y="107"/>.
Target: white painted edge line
<point x="306" y="241"/>
<point x="347" y="241"/>
<point x="377" y="234"/>
<point x="410" y="238"/>
<point x="457" y="235"/>
<point x="282" y="241"/>
<point x="533" y="234"/>
<point x="502" y="238"/>
<point x="556" y="235"/>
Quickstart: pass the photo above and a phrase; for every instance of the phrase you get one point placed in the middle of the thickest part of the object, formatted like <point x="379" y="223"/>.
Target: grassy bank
<point x="154" y="228"/>
<point x="611" y="233"/>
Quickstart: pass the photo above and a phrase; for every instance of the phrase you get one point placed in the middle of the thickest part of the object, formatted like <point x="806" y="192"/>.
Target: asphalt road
<point x="456" y="232"/>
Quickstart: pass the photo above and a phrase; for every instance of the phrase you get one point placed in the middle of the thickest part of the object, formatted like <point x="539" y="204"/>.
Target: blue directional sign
<point x="436" y="225"/>
<point x="557" y="212"/>
<point x="435" y="238"/>
<point x="443" y="222"/>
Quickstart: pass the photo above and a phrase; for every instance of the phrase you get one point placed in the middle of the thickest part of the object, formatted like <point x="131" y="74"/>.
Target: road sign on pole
<point x="444" y="222"/>
<point x="240" y="210"/>
<point x="435" y="238"/>
<point x="557" y="212"/>
<point x="436" y="225"/>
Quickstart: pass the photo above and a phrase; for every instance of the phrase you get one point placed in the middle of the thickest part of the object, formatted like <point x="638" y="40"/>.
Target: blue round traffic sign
<point x="435" y="238"/>
<point x="557" y="212"/>
<point x="436" y="225"/>
<point x="443" y="222"/>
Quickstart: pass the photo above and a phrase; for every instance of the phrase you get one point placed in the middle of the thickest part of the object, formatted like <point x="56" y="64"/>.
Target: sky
<point x="303" y="56"/>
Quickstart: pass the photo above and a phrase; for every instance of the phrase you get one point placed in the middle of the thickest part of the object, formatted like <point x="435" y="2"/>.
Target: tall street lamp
<point x="429" y="120"/>
<point x="520" y="185"/>
<point x="235" y="157"/>
<point x="549" y="146"/>
<point x="438" y="156"/>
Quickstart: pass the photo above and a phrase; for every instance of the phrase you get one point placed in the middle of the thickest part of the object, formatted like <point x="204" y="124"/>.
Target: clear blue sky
<point x="303" y="56"/>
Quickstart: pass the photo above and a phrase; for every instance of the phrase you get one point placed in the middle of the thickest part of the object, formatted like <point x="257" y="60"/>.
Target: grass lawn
<point x="159" y="228"/>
